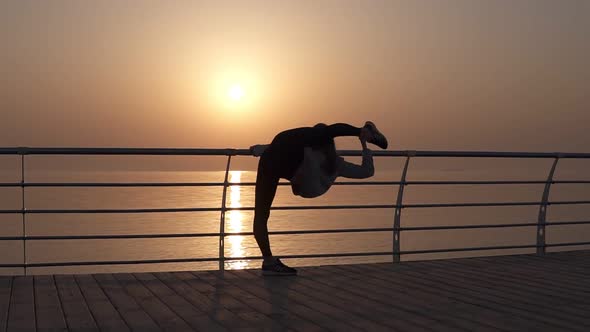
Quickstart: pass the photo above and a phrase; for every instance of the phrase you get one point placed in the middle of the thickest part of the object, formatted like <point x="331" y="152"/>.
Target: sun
<point x="233" y="90"/>
<point x="236" y="92"/>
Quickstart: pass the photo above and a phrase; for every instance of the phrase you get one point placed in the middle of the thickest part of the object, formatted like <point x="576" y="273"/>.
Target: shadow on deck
<point x="503" y="293"/>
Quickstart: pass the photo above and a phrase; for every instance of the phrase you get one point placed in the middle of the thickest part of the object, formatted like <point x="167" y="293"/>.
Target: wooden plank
<point x="224" y="317"/>
<point x="325" y="302"/>
<point x="363" y="298"/>
<point x="5" y="292"/>
<point x="363" y="304"/>
<point x="542" y="264"/>
<point x="48" y="309"/>
<point x="194" y="316"/>
<point x="566" y="268"/>
<point x="22" y="305"/>
<point x="167" y="319"/>
<point x="220" y="299"/>
<point x="266" y="304"/>
<point x="358" y="287"/>
<point x="225" y="293"/>
<point x="526" y="302"/>
<point x="533" y="271"/>
<point x="539" y="299"/>
<point x="506" y="293"/>
<point x="105" y="314"/>
<point x="273" y="291"/>
<point x="242" y="303"/>
<point x="524" y="283"/>
<point x="480" y="297"/>
<point x="415" y="311"/>
<point x="77" y="314"/>
<point x="460" y="308"/>
<point x="135" y="317"/>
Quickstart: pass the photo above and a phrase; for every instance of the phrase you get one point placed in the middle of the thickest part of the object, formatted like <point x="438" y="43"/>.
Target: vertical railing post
<point x="222" y="220"/>
<point x="543" y="211"/>
<point x="22" y="153"/>
<point x="398" y="211"/>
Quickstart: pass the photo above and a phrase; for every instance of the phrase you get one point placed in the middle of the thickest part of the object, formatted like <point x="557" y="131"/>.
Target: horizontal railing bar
<point x="529" y="224"/>
<point x="485" y="204"/>
<point x="347" y="183"/>
<point x="435" y="205"/>
<point x="480" y="154"/>
<point x="318" y="207"/>
<point x="559" y="223"/>
<point x="567" y="202"/>
<point x="114" y="236"/>
<point x="248" y="184"/>
<point x="493" y="182"/>
<point x="99" y="211"/>
<point x="153" y="236"/>
<point x="246" y="152"/>
<point x="11" y="238"/>
<point x="432" y="251"/>
<point x="447" y="227"/>
<point x="392" y="206"/>
<point x="170" y="184"/>
<point x="106" y="211"/>
<point x="318" y="231"/>
<point x="357" y="254"/>
<point x="187" y="260"/>
<point x="130" y="262"/>
<point x="410" y="252"/>
<point x="352" y="254"/>
<point x="567" y="244"/>
<point x="474" y="182"/>
<point x="124" y="184"/>
<point x="11" y="211"/>
<point x="306" y="207"/>
<point x="126" y="151"/>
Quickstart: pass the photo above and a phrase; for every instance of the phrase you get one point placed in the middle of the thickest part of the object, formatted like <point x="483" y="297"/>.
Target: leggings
<point x="280" y="160"/>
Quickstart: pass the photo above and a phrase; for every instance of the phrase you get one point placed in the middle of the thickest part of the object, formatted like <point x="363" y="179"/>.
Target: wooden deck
<point x="507" y="293"/>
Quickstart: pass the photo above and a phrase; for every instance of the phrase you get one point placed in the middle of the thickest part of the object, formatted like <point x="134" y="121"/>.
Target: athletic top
<point x="312" y="180"/>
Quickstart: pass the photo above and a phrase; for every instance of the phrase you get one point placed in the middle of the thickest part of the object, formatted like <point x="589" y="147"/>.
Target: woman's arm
<point x="354" y="171"/>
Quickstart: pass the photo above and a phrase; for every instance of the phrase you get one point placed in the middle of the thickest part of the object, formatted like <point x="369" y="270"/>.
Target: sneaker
<point x="277" y="268"/>
<point x="377" y="137"/>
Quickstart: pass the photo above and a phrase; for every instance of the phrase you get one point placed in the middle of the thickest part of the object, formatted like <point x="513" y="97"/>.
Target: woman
<point x="307" y="158"/>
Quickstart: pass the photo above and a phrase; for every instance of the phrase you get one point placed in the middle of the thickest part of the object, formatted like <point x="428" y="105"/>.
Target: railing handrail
<point x="247" y="152"/>
<point x="229" y="152"/>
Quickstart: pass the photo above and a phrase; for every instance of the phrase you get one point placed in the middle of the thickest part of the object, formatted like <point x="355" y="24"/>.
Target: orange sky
<point x="452" y="75"/>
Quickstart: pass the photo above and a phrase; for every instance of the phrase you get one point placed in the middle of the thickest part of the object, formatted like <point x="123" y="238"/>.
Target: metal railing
<point x="398" y="207"/>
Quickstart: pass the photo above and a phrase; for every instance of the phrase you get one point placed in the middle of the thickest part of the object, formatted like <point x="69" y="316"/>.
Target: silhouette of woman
<point x="306" y="157"/>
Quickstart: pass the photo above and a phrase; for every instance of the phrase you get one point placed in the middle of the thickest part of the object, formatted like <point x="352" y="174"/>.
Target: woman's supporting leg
<point x="266" y="187"/>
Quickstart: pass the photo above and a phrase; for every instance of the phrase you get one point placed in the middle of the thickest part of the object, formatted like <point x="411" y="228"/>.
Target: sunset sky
<point x="452" y="75"/>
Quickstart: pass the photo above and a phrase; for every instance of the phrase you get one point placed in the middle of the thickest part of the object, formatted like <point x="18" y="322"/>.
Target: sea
<point x="420" y="169"/>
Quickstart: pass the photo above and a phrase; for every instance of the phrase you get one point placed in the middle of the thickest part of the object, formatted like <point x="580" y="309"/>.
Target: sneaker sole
<point x="278" y="274"/>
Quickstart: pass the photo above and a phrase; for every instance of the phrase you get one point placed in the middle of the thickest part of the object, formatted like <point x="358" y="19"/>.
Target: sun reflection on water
<point x="235" y="224"/>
